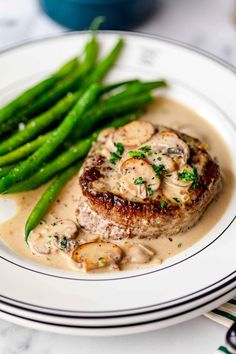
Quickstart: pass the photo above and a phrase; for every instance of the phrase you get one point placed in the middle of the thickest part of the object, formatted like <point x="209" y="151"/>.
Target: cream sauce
<point x="165" y="112"/>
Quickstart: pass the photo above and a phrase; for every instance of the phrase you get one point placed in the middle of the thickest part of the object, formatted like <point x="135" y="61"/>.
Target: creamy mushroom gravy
<point x="166" y="112"/>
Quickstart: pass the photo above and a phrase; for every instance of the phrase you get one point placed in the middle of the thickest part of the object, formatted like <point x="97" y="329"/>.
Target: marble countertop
<point x="207" y="24"/>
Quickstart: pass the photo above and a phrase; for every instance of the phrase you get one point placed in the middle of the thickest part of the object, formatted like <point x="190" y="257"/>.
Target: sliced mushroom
<point x="105" y="134"/>
<point x="174" y="177"/>
<point x="64" y="228"/>
<point x="162" y="159"/>
<point x="39" y="244"/>
<point x="170" y="144"/>
<point x="96" y="255"/>
<point x="134" y="133"/>
<point x="139" y="254"/>
<point x="137" y="176"/>
<point x="58" y="235"/>
<point x="175" y="190"/>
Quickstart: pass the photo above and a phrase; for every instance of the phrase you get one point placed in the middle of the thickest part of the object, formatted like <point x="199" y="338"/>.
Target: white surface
<point x="204" y="23"/>
<point x="199" y="336"/>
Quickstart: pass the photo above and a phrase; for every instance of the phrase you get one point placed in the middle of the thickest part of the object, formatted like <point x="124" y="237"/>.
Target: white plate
<point x="143" y="325"/>
<point x="204" y="84"/>
<point x="115" y="320"/>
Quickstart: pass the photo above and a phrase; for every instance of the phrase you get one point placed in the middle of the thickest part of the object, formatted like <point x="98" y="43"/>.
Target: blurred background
<point x="207" y="24"/>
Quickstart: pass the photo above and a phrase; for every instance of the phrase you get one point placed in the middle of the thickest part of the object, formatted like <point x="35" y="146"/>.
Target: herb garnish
<point x="101" y="261"/>
<point x="189" y="176"/>
<point x="163" y="204"/>
<point x="150" y="153"/>
<point x="145" y="148"/>
<point x="139" y="180"/>
<point x="115" y="156"/>
<point x="179" y="245"/>
<point x="149" y="190"/>
<point x="176" y="199"/>
<point x="63" y="243"/>
<point x="159" y="170"/>
<point x="120" y="148"/>
<point x="137" y="154"/>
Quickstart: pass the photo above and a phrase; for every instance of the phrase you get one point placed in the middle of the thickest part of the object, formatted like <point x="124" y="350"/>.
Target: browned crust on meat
<point x="136" y="217"/>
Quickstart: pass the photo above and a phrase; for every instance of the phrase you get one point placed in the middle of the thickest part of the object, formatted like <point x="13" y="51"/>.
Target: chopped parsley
<point x="116" y="156"/>
<point x="63" y="243"/>
<point x="150" y="153"/>
<point x="159" y="170"/>
<point x="187" y="176"/>
<point x="139" y="180"/>
<point x="159" y="158"/>
<point x="179" y="245"/>
<point x="102" y="261"/>
<point x="120" y="148"/>
<point x="137" y="154"/>
<point x="176" y="199"/>
<point x="163" y="204"/>
<point x="149" y="191"/>
<point x="145" y="148"/>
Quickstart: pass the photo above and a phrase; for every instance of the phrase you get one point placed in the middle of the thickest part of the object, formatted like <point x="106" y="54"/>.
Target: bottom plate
<point x="122" y="329"/>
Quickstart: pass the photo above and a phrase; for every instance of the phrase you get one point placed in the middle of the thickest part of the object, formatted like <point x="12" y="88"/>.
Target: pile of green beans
<point x="61" y="117"/>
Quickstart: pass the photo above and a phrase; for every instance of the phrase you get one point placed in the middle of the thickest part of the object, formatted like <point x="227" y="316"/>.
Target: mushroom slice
<point x="38" y="244"/>
<point x="134" y="133"/>
<point x="184" y="177"/>
<point x="138" y="176"/>
<point x="105" y="134"/>
<point x="139" y="254"/>
<point x="175" y="193"/>
<point x="64" y="229"/>
<point x="162" y="159"/>
<point x="94" y="255"/>
<point x="170" y="144"/>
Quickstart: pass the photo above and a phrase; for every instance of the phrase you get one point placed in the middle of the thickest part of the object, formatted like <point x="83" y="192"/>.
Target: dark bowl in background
<point x="78" y="14"/>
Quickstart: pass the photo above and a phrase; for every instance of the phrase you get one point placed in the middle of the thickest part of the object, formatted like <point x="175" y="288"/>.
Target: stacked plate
<point x="186" y="285"/>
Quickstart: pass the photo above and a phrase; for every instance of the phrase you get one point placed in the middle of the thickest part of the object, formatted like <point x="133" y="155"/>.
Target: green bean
<point x="103" y="110"/>
<point x="74" y="81"/>
<point x="30" y="95"/>
<point x="6" y="169"/>
<point x="75" y="152"/>
<point x="105" y="64"/>
<point x="115" y="85"/>
<point x="65" y="159"/>
<point x="110" y="109"/>
<point x="47" y="198"/>
<point x="23" y="151"/>
<point x="70" y="83"/>
<point x="139" y="87"/>
<point x="56" y="138"/>
<point x="99" y="72"/>
<point x="38" y="124"/>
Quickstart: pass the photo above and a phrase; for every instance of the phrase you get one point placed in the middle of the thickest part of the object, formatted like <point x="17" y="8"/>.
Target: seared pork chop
<point x="145" y="181"/>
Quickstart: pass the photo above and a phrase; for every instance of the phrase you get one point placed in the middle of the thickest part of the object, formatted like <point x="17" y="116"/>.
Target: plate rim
<point x="191" y="312"/>
<point x="124" y="312"/>
<point x="167" y="39"/>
